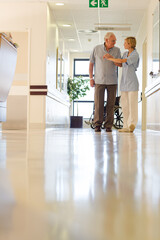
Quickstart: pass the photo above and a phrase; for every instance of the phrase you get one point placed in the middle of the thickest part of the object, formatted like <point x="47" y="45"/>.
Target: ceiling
<point x="120" y="14"/>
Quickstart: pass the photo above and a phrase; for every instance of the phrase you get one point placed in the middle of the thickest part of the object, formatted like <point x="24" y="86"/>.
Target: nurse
<point x="129" y="84"/>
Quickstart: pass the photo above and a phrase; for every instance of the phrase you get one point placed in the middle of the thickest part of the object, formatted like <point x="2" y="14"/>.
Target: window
<point x="85" y="104"/>
<point x="81" y="67"/>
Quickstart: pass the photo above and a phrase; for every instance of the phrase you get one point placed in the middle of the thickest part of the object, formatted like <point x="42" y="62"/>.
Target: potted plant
<point x="76" y="88"/>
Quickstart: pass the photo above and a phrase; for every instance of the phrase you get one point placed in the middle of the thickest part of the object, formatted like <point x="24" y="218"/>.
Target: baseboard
<point x="57" y="125"/>
<point x="14" y="126"/>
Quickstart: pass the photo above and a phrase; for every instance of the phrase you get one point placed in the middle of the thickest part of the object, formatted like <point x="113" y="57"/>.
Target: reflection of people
<point x="128" y="160"/>
<point x="129" y="84"/>
<point x="105" y="78"/>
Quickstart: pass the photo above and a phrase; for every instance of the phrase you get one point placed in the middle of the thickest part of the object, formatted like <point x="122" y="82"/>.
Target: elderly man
<point x="105" y="78"/>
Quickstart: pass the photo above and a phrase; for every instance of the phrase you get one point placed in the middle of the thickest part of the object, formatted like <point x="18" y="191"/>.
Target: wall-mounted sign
<point x="94" y="3"/>
<point x="103" y="3"/>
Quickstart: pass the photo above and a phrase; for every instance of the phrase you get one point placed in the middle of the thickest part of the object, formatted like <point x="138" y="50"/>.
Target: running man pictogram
<point x="103" y="3"/>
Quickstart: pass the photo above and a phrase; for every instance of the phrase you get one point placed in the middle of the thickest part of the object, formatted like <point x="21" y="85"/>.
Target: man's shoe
<point x="108" y="130"/>
<point x="97" y="129"/>
<point x="131" y="127"/>
<point x="124" y="130"/>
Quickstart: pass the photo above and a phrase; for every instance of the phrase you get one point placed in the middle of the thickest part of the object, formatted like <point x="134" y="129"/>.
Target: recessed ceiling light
<point x="66" y="25"/>
<point x="87" y="31"/>
<point x="71" y="39"/>
<point x="112" y="24"/>
<point x="113" y="28"/>
<point x="59" y="4"/>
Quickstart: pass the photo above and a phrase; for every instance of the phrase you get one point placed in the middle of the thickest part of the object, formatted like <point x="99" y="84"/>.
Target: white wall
<point x="36" y="65"/>
<point x="17" y="101"/>
<point x="146" y="33"/>
<point x="57" y="110"/>
<point x="30" y="17"/>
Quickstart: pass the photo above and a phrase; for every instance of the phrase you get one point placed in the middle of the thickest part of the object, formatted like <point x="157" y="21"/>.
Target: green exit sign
<point x="103" y="3"/>
<point x="94" y="3"/>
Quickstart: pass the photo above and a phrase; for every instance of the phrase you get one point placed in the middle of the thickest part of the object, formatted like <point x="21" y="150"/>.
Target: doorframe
<point x="144" y="83"/>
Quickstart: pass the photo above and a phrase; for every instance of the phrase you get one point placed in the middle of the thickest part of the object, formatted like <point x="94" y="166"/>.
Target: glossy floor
<point x="75" y="184"/>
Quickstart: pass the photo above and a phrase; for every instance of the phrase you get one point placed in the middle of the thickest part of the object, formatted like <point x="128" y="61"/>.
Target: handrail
<point x="8" y="40"/>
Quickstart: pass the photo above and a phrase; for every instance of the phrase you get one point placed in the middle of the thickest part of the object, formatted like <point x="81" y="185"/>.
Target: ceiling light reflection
<point x="84" y="170"/>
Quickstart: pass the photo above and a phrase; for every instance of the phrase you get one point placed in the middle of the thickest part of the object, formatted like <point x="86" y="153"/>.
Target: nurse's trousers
<point x="129" y="104"/>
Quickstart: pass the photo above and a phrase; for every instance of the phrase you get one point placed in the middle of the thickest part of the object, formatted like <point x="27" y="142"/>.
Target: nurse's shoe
<point x="131" y="127"/>
<point x="124" y="130"/>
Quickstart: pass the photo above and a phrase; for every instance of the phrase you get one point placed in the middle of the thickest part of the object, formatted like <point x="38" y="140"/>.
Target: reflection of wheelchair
<point x="118" y="116"/>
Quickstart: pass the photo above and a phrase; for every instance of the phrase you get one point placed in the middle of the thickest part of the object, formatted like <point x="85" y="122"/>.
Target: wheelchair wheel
<point x="104" y="117"/>
<point x="91" y="121"/>
<point x="118" y="118"/>
<point x="103" y="125"/>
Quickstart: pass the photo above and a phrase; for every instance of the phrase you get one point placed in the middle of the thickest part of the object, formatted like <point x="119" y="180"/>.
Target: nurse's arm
<point x="117" y="60"/>
<point x="118" y="64"/>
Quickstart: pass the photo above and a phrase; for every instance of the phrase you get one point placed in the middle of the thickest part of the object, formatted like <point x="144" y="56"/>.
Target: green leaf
<point x="77" y="87"/>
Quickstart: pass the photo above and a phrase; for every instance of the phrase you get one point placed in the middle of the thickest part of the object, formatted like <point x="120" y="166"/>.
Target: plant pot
<point x="76" y="122"/>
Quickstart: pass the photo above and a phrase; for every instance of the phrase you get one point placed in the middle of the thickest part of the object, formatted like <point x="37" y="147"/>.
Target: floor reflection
<point x="7" y="201"/>
<point x="2" y="151"/>
<point x="74" y="184"/>
<point x="69" y="167"/>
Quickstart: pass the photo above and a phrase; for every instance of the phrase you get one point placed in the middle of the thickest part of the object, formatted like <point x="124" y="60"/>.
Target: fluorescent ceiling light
<point x="71" y="39"/>
<point x="112" y="24"/>
<point x="66" y="25"/>
<point x="59" y="4"/>
<point x="103" y="28"/>
<point x="87" y="31"/>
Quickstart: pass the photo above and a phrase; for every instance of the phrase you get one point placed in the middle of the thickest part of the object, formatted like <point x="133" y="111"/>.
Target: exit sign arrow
<point x="93" y="3"/>
<point x="102" y="3"/>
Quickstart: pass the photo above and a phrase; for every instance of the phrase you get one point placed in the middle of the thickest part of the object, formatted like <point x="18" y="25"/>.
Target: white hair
<point x="108" y="35"/>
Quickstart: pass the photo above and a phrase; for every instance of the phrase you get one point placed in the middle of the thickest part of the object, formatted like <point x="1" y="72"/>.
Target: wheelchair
<point x="118" y="116"/>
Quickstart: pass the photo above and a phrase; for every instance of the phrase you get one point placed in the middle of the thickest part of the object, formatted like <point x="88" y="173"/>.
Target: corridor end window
<point x="85" y="104"/>
<point x="81" y="67"/>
